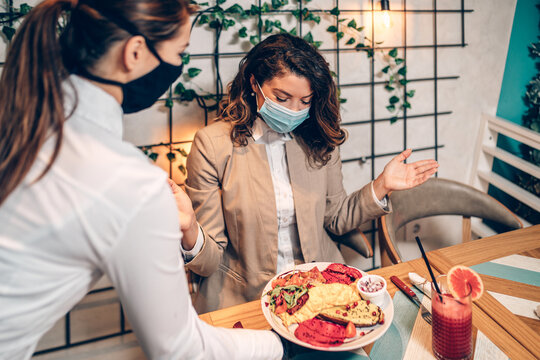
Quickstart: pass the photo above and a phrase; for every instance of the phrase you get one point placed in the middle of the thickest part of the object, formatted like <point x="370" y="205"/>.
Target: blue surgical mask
<point x="280" y="118"/>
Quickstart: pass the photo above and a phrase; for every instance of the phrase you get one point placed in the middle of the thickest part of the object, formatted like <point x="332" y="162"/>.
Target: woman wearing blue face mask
<point x="77" y="202"/>
<point x="266" y="180"/>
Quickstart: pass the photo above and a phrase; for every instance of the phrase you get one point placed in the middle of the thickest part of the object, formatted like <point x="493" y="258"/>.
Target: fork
<point x="426" y="315"/>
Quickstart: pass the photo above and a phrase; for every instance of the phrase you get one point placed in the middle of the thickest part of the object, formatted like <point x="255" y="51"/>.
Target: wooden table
<point x="515" y="336"/>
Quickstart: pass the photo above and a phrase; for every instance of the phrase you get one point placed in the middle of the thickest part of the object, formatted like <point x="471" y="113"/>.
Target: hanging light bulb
<point x="385" y="7"/>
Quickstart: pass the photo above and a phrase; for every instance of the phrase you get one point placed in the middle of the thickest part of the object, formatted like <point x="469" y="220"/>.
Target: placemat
<point x="517" y="268"/>
<point x="391" y="345"/>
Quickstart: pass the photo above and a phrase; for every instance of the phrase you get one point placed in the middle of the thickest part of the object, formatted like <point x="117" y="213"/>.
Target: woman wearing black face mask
<point x="77" y="202"/>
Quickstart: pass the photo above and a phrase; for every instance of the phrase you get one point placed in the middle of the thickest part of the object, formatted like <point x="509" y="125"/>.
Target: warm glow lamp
<point x="385" y="7"/>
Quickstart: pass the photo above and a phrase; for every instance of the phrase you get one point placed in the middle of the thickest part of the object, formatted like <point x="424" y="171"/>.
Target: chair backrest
<point x="442" y="197"/>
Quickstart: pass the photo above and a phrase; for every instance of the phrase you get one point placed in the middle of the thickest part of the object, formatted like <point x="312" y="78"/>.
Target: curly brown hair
<point x="275" y="56"/>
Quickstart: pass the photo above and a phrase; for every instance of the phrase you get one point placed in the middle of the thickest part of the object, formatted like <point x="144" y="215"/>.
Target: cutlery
<point x="426" y="315"/>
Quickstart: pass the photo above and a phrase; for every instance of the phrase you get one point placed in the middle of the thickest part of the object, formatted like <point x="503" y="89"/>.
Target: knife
<point x="426" y="315"/>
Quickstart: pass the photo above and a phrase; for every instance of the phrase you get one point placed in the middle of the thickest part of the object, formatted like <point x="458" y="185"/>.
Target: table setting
<point x="406" y="332"/>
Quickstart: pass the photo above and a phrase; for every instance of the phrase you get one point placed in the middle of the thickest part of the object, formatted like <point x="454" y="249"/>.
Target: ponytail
<point x="40" y="60"/>
<point x="31" y="92"/>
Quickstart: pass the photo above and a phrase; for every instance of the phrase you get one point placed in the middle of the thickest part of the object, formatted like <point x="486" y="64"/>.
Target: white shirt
<point x="288" y="236"/>
<point x="103" y="208"/>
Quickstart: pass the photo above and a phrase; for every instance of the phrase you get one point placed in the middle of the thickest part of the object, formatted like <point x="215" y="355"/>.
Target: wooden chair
<point x="355" y="240"/>
<point x="438" y="197"/>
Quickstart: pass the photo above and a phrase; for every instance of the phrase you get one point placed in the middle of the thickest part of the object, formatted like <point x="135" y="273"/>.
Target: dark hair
<point x="39" y="61"/>
<point x="276" y="55"/>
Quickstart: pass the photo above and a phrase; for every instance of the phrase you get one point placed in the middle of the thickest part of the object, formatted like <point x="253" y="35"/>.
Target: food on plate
<point x="294" y="277"/>
<point x="325" y="306"/>
<point x="321" y="297"/>
<point x="371" y="285"/>
<point x="361" y="313"/>
<point x="462" y="279"/>
<point x="350" y="330"/>
<point x="288" y="298"/>
<point x="320" y="333"/>
<point x="339" y="273"/>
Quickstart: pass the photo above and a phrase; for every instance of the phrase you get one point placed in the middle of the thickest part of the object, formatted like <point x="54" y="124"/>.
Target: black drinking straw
<point x="427" y="264"/>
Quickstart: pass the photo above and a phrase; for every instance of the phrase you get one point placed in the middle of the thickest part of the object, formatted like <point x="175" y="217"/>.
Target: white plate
<point x="372" y="333"/>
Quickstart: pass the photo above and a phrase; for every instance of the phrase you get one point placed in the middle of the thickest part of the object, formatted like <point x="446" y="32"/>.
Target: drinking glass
<point x="452" y="323"/>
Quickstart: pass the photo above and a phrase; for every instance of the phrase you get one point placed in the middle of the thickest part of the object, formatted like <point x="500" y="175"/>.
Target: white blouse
<point x="103" y="208"/>
<point x="288" y="236"/>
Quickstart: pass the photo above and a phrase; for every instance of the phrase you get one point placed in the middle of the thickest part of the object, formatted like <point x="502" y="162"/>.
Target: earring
<point x="252" y="94"/>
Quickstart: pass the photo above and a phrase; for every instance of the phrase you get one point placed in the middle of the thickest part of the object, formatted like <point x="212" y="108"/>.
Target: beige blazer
<point x="233" y="197"/>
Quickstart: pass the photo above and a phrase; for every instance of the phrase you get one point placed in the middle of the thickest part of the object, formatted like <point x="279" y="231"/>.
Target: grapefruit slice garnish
<point x="462" y="280"/>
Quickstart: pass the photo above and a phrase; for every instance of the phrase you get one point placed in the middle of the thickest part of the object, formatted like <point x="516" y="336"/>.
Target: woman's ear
<point x="134" y="52"/>
<point x="253" y="83"/>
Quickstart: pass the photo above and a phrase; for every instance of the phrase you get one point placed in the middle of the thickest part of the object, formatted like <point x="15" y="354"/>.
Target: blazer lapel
<point x="301" y="187"/>
<point x="262" y="190"/>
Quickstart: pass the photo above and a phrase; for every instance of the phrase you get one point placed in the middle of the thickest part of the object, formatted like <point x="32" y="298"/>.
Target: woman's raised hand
<point x="186" y="215"/>
<point x="400" y="176"/>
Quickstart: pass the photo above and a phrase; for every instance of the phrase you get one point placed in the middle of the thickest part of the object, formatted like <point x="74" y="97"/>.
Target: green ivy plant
<point x="218" y="18"/>
<point x="10" y="17"/>
<point x="171" y="155"/>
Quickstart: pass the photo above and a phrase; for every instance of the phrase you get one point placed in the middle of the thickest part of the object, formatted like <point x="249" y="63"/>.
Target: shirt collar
<point x="94" y="105"/>
<point x="264" y="134"/>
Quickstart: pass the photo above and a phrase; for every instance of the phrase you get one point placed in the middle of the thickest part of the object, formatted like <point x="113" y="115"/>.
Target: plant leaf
<point x="192" y="72"/>
<point x="153" y="156"/>
<point x="25" y="9"/>
<point x="352" y="24"/>
<point x="169" y="103"/>
<point x="182" y="169"/>
<point x="393" y="119"/>
<point x="335" y="11"/>
<point x="351" y="41"/>
<point x="391" y="108"/>
<point x="214" y="24"/>
<point x="185" y="58"/>
<point x="242" y="32"/>
<point x="399" y="61"/>
<point x="255" y="10"/>
<point x="189" y="95"/>
<point x="204" y="19"/>
<point x="394" y="99"/>
<point x="340" y="35"/>
<point x="332" y="28"/>
<point x="171" y="156"/>
<point x="402" y="71"/>
<point x="403" y="81"/>
<point x="309" y="37"/>
<point x="254" y="39"/>
<point x="8" y="32"/>
<point x="385" y="69"/>
<point x="393" y="52"/>
<point x="411" y="93"/>
<point x="389" y="88"/>
<point x="406" y="105"/>
<point x="182" y="152"/>
<point x="179" y="89"/>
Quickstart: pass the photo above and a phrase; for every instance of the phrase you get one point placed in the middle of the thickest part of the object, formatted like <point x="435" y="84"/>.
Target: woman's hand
<point x="400" y="176"/>
<point x="188" y="223"/>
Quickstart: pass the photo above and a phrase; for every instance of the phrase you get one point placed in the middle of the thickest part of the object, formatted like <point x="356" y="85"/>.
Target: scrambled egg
<point x="321" y="297"/>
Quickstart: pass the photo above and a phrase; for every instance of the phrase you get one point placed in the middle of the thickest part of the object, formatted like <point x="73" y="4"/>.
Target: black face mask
<point x="141" y="93"/>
